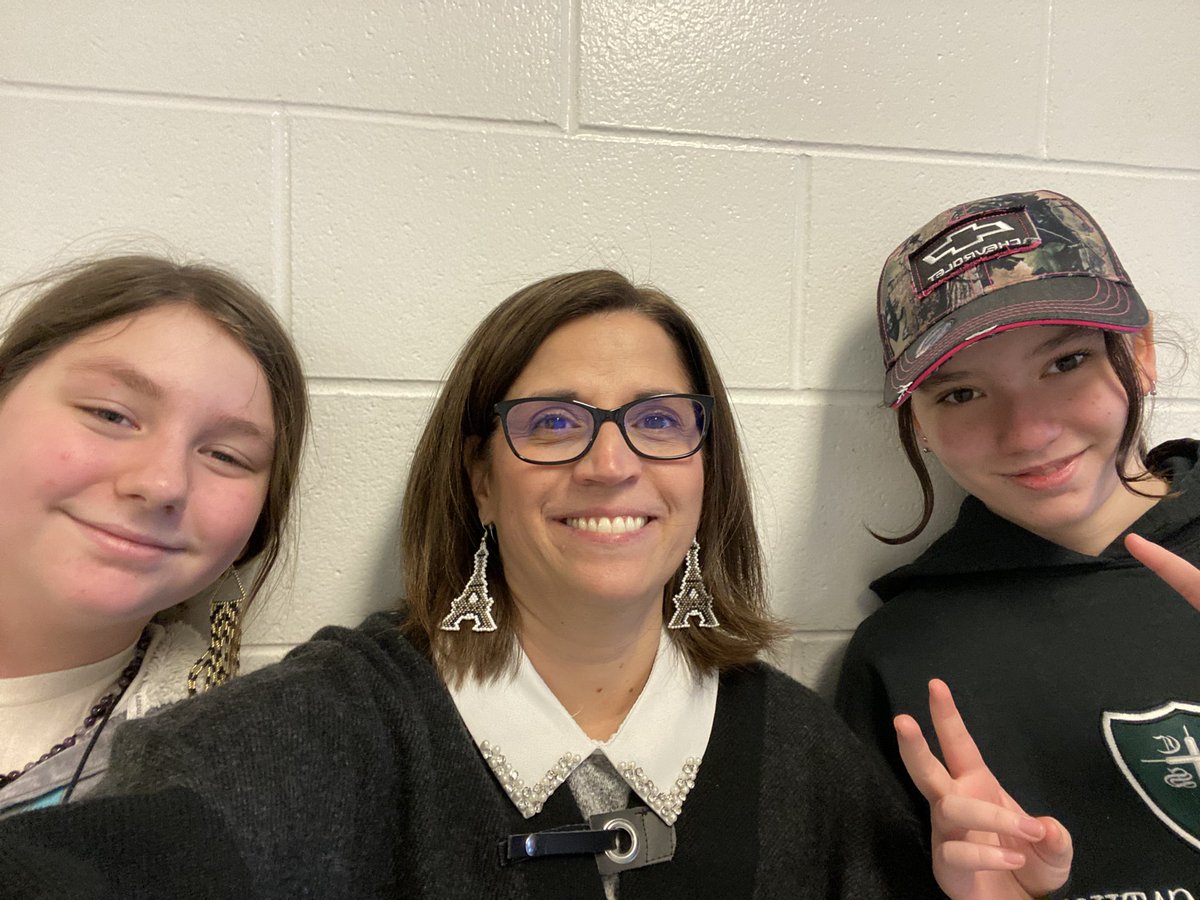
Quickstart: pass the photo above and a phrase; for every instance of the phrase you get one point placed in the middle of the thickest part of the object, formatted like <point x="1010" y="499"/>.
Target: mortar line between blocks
<point x="801" y="236"/>
<point x="1043" y="127"/>
<point x="281" y="212"/>
<point x="571" y="51"/>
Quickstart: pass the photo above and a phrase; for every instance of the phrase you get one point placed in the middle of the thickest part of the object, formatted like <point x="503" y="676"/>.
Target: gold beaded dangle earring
<point x="219" y="662"/>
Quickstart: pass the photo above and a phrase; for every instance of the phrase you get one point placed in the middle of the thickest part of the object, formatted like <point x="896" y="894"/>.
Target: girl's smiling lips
<point x="126" y="541"/>
<point x="1048" y="475"/>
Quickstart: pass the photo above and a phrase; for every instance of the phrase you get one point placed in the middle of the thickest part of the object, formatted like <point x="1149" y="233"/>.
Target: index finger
<point x="925" y="769"/>
<point x="1174" y="570"/>
<point x="958" y="747"/>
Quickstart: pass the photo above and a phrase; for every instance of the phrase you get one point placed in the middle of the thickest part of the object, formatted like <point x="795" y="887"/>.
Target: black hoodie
<point x="1038" y="643"/>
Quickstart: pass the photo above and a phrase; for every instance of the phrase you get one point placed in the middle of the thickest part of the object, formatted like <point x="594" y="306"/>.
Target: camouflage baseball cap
<point x="983" y="267"/>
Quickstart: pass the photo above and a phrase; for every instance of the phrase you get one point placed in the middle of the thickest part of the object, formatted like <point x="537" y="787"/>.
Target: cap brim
<point x="1054" y="300"/>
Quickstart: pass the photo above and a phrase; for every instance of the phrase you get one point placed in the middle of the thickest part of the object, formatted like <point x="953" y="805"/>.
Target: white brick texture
<point x="387" y="172"/>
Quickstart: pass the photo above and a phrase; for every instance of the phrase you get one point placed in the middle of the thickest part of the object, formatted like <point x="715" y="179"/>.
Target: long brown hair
<point x="1132" y="443"/>
<point x="440" y="525"/>
<point x="71" y="301"/>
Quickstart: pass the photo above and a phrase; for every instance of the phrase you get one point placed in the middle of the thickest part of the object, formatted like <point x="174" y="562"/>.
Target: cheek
<point x="1111" y="406"/>
<point x="961" y="448"/>
<point x="953" y="435"/>
<point x="226" y="516"/>
<point x="685" y="487"/>
<point x="516" y="496"/>
<point x="54" y="460"/>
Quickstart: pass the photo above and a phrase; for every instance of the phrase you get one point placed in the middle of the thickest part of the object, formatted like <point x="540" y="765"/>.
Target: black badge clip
<point x="625" y="839"/>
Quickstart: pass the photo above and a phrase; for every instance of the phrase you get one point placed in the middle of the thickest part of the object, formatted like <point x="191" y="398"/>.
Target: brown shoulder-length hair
<point x="440" y="525"/>
<point x="1131" y="447"/>
<point x="75" y="299"/>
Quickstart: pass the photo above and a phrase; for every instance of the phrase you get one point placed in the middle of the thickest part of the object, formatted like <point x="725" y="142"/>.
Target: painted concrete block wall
<point x="387" y="172"/>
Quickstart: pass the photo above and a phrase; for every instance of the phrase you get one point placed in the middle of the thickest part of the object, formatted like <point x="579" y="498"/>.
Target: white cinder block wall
<point x="386" y="172"/>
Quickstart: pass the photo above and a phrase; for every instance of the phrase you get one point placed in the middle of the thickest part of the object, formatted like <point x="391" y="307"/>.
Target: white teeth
<point x="605" y="525"/>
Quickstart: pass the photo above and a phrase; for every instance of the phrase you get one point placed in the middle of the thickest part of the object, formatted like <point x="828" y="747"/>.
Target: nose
<point x="611" y="460"/>
<point x="1025" y="425"/>
<point x="156" y="472"/>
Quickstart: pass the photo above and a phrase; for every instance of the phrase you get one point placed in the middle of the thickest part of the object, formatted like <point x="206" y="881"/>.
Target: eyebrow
<point x="129" y="376"/>
<point x="1072" y="333"/>
<point x="138" y="381"/>
<point x="574" y="395"/>
<point x="234" y="425"/>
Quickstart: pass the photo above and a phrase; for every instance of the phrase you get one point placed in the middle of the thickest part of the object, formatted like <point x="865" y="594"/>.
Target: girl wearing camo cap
<point x="1077" y="664"/>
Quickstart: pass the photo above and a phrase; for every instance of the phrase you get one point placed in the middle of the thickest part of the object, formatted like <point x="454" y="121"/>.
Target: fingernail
<point x="1014" y="859"/>
<point x="1032" y="828"/>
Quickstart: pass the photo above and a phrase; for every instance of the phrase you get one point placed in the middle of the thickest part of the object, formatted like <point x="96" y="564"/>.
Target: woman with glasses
<point x="570" y="703"/>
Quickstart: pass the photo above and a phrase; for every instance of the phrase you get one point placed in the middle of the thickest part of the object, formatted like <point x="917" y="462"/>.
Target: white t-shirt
<point x="38" y="711"/>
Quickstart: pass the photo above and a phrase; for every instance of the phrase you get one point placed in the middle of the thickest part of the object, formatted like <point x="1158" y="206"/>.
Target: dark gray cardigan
<point x="345" y="772"/>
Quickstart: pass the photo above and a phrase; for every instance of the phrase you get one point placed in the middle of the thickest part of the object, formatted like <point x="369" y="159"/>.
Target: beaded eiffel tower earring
<point x="474" y="602"/>
<point x="693" y="598"/>
<point x="219" y="662"/>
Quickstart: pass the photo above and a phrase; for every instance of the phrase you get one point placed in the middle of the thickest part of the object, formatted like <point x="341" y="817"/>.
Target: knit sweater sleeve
<point x="843" y="818"/>
<point x="252" y="782"/>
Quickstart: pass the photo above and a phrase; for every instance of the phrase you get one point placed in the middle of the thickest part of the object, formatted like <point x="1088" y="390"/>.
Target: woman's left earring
<point x="693" y="598"/>
<point x="474" y="602"/>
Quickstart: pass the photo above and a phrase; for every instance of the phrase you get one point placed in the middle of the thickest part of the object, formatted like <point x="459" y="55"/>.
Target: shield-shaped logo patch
<point x="1159" y="753"/>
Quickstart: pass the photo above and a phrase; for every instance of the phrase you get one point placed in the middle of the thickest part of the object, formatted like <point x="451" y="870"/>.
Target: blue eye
<point x="552" y="422"/>
<point x="547" y="421"/>
<point x="654" y="421"/>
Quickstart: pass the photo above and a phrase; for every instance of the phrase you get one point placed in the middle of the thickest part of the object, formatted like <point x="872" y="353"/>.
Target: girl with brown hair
<point x="151" y="421"/>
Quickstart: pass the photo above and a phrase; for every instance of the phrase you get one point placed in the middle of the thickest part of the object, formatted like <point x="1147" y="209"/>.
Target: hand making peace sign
<point x="985" y="847"/>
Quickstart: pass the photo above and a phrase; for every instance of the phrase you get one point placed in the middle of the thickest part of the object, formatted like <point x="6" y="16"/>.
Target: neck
<point x="595" y="662"/>
<point x="35" y="648"/>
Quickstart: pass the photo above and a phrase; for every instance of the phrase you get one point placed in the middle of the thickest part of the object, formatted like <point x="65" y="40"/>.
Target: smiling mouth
<point x="608" y="525"/>
<point x="121" y="538"/>
<point x="1050" y="476"/>
<point x="1049" y="468"/>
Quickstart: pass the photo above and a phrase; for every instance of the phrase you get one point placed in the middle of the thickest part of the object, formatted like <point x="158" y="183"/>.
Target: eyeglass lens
<point x="559" y="430"/>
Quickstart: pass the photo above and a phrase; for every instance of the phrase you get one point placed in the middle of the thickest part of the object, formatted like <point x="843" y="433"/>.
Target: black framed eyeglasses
<point x="550" y="431"/>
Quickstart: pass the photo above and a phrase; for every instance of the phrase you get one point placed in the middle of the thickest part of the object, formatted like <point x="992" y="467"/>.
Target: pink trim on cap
<point x="933" y="367"/>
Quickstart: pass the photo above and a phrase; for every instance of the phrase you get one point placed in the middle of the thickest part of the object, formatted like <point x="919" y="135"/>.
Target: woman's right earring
<point x="693" y="597"/>
<point x="474" y="602"/>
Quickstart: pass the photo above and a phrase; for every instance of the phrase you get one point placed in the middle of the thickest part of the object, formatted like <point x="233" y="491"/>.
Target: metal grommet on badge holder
<point x="628" y="855"/>
<point x="651" y="840"/>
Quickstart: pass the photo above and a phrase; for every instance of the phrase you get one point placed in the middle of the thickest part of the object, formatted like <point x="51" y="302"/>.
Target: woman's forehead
<point x="617" y="351"/>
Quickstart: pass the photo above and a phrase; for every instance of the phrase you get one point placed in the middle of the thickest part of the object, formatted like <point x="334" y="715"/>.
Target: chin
<point x="116" y="606"/>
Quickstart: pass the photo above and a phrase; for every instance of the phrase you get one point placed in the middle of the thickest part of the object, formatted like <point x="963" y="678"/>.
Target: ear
<point x="478" y="465"/>
<point x="1145" y="357"/>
